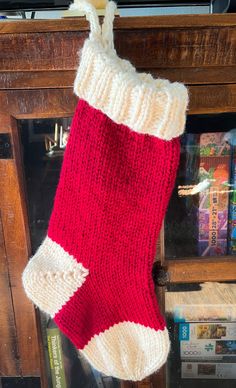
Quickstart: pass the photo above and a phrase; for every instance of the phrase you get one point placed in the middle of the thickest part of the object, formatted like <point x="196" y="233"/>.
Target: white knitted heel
<point x="52" y="276"/>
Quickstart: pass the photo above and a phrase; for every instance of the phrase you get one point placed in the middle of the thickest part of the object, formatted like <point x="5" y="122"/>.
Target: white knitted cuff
<point x="112" y="85"/>
<point x="145" y="105"/>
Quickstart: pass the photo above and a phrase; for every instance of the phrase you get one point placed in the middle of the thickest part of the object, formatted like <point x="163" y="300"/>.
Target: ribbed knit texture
<point x="92" y="273"/>
<point x="142" y="103"/>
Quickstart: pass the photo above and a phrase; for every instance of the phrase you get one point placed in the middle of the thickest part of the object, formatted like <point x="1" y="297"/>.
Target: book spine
<point x="56" y="358"/>
<point x="232" y="206"/>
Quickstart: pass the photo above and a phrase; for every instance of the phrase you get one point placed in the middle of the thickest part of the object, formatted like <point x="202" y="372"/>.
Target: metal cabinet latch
<point x="160" y="275"/>
<point x="5" y="146"/>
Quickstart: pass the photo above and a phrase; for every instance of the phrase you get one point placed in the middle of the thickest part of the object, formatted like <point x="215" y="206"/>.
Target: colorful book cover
<point x="232" y="205"/>
<point x="204" y="227"/>
<point x="213" y="202"/>
<point x="203" y="331"/>
<point x="208" y="370"/>
<point x="207" y="349"/>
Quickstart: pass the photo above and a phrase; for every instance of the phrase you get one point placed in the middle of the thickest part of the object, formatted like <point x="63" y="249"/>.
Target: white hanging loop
<point x="91" y="16"/>
<point x="107" y="26"/>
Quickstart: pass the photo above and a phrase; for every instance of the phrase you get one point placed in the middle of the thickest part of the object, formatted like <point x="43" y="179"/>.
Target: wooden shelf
<point x="126" y="23"/>
<point x="199" y="270"/>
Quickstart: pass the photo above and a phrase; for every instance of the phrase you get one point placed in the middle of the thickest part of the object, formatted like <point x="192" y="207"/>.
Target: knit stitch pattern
<point x="93" y="272"/>
<point x="136" y="100"/>
<point x="111" y="199"/>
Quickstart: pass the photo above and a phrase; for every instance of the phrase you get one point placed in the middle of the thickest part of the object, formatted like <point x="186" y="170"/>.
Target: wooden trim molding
<point x="181" y="49"/>
<point x="59" y="79"/>
<point x="20" y="311"/>
<point x="126" y="23"/>
<point x="56" y="102"/>
<point x="199" y="270"/>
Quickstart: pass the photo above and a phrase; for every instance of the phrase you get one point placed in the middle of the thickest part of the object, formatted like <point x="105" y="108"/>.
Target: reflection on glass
<point x="201" y="219"/>
<point x="42" y="140"/>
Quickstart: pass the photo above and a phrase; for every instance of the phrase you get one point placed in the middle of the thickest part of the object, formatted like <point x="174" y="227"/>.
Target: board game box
<point x="207" y="330"/>
<point x="208" y="370"/>
<point x="213" y="202"/>
<point x="207" y="349"/>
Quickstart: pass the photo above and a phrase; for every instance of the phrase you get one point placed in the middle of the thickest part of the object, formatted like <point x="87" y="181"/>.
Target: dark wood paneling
<point x="178" y="48"/>
<point x="37" y="79"/>
<point x="28" y="52"/>
<point x="196" y="75"/>
<point x="192" y="270"/>
<point x="155" y="48"/>
<point x="9" y="357"/>
<point x="127" y="384"/>
<point x="38" y="103"/>
<point x="62" y="102"/>
<point x="58" y="79"/>
<point x="212" y="99"/>
<point x="128" y="23"/>
<point x="16" y="237"/>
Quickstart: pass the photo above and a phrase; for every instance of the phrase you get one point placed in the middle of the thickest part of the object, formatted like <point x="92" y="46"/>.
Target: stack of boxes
<point x="207" y="350"/>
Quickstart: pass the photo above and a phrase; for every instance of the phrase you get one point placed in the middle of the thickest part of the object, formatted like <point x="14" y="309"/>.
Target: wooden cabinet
<point x="38" y="60"/>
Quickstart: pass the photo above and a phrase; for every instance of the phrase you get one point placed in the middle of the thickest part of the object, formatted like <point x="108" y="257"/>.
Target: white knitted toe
<point x="128" y="351"/>
<point x="52" y="276"/>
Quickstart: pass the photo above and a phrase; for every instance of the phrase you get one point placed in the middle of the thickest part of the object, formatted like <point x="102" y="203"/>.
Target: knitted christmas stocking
<point x="92" y="273"/>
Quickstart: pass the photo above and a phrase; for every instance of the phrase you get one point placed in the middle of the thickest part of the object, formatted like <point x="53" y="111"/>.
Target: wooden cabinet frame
<point x="38" y="60"/>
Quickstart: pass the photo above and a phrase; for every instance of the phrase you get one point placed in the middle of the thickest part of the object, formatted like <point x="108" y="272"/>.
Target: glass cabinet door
<point x="197" y="243"/>
<point x="200" y="245"/>
<point x="43" y="144"/>
<point x="200" y="221"/>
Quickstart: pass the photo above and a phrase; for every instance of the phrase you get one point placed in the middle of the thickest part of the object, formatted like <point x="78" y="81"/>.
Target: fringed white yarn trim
<point x="128" y="351"/>
<point x="112" y="85"/>
<point x="52" y="276"/>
